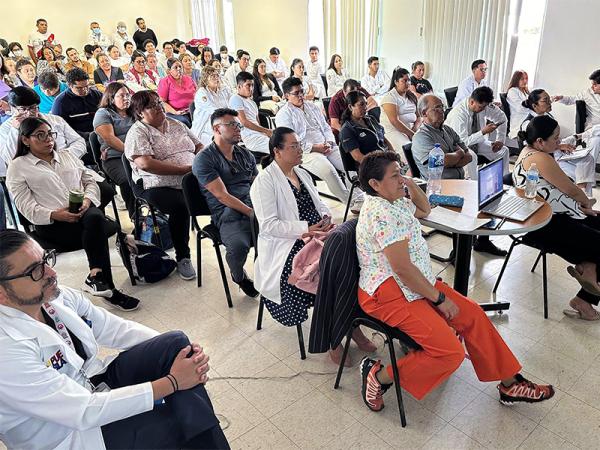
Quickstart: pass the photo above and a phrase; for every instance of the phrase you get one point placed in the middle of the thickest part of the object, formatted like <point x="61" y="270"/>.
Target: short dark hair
<point x="23" y="96"/>
<point x="22" y="63"/>
<point x="540" y="127"/>
<point x="167" y="43"/>
<point x="416" y="64"/>
<point x="110" y="47"/>
<point x="108" y="98"/>
<point x="222" y="112"/>
<point x="76" y="74"/>
<point x="313" y="47"/>
<point x="37" y="22"/>
<point x="88" y="48"/>
<point x="373" y="167"/>
<point x="595" y="76"/>
<point x="483" y="94"/>
<point x="140" y="101"/>
<point x="27" y="127"/>
<point x="223" y="48"/>
<point x="350" y="83"/>
<point x="137" y="21"/>
<point x="146" y="42"/>
<point x="371" y="59"/>
<point x="126" y="43"/>
<point x="10" y="242"/>
<point x="274" y="51"/>
<point x="48" y="80"/>
<point x="137" y="54"/>
<point x="69" y="49"/>
<point x="172" y="61"/>
<point x="242" y="77"/>
<point x="476" y="63"/>
<point x="289" y="83"/>
<point x="241" y="53"/>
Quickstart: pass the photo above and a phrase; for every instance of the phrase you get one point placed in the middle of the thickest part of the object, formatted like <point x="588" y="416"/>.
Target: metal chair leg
<point x="199" y="256"/>
<point x="512" y="246"/>
<point x="261" y="307"/>
<point x="301" y="341"/>
<point x="537" y="260"/>
<point x="348" y="202"/>
<point x="545" y="283"/>
<point x="223" y="276"/>
<point x="396" y="380"/>
<point x="344" y="355"/>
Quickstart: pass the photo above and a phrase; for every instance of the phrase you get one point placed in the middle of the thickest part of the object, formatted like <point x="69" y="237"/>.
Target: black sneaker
<point x="247" y="285"/>
<point x="122" y="301"/>
<point x="96" y="285"/>
<point x="487" y="246"/>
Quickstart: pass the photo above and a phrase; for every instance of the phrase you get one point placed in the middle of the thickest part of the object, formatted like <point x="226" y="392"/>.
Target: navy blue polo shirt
<point x="77" y="111"/>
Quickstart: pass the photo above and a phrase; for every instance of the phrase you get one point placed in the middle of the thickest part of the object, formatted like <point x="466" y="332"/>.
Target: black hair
<point x="165" y="44"/>
<point x="223" y="48"/>
<point x="265" y="79"/>
<point x="48" y="80"/>
<point x="10" y="242"/>
<point x="532" y="99"/>
<point x="22" y="63"/>
<point x="14" y="44"/>
<point x="332" y="62"/>
<point x="43" y="57"/>
<point x="371" y="59"/>
<point x="540" y="127"/>
<point x="242" y="77"/>
<point x="23" y="96"/>
<point x="76" y="74"/>
<point x="289" y="83"/>
<point x="222" y="112"/>
<point x="476" y="63"/>
<point x="69" y="49"/>
<point x="397" y="74"/>
<point x="27" y="127"/>
<point x="313" y="47"/>
<point x="172" y="61"/>
<point x="137" y="21"/>
<point x="147" y="41"/>
<point x="241" y="53"/>
<point x="276" y="141"/>
<point x="274" y="51"/>
<point x="373" y="167"/>
<point x="595" y="76"/>
<point x="88" y="49"/>
<point x="140" y="101"/>
<point x="110" y="47"/>
<point x="483" y="94"/>
<point x="351" y="99"/>
<point x="416" y="64"/>
<point x="37" y="22"/>
<point x="137" y="54"/>
<point x="350" y="83"/>
<point x="127" y="43"/>
<point x="108" y="98"/>
<point x="204" y="50"/>
<point x="294" y="62"/>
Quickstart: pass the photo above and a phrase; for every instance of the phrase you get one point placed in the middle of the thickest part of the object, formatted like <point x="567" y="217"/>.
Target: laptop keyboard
<point x="508" y="205"/>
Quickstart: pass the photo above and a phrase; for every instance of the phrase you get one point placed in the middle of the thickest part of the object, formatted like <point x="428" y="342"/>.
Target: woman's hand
<point x="276" y="98"/>
<point x="63" y="215"/>
<point x="448" y="309"/>
<point x="566" y="148"/>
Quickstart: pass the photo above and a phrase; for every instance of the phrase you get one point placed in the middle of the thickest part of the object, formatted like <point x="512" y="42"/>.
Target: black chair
<point x="450" y="94"/>
<point x="349" y="166"/>
<point x="326" y="101"/>
<point x="266" y="119"/>
<point x="580" y="116"/>
<point x="261" y="304"/>
<point x="192" y="108"/>
<point x="197" y="206"/>
<point x="506" y="109"/>
<point x="96" y="153"/>
<point x="324" y="79"/>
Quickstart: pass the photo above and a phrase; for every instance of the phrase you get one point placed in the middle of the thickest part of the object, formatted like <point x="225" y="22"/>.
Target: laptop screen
<point x="490" y="181"/>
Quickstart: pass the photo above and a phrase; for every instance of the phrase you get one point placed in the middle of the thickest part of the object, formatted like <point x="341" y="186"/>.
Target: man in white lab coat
<point x="57" y="393"/>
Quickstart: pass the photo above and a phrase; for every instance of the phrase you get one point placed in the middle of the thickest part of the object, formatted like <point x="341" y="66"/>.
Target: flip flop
<point x="574" y="314"/>
<point x="592" y="288"/>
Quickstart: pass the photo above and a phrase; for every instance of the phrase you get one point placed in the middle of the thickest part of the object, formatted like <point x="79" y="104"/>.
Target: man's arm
<point x="219" y="191"/>
<point x="251" y="125"/>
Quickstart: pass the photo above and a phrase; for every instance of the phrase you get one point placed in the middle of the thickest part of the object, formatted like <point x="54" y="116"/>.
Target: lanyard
<point x="60" y="325"/>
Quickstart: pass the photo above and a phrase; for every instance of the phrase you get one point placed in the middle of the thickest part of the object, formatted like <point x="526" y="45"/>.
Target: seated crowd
<point x="159" y="115"/>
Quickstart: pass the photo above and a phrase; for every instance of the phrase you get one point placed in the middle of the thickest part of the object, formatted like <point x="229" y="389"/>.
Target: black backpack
<point x="148" y="262"/>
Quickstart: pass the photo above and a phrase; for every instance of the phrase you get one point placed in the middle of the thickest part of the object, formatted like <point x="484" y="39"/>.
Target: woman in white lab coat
<point x="516" y="94"/>
<point x="287" y="207"/>
<point x="211" y="94"/>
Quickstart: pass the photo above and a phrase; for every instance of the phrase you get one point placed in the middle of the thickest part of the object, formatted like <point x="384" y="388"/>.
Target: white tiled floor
<point x="305" y="411"/>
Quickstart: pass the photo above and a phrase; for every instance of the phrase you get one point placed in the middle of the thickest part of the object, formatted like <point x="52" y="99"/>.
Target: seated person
<point x="225" y="172"/>
<point x="338" y="104"/>
<point x="54" y="331"/>
<point x="574" y="230"/>
<point x="2" y="211"/>
<point x="106" y="73"/>
<point x="116" y="60"/>
<point x="150" y="49"/>
<point x="40" y="179"/>
<point x="177" y="91"/>
<point x="335" y="75"/>
<point x="255" y="137"/>
<point x="24" y="103"/>
<point x="243" y="65"/>
<point x="419" y="85"/>
<point x="376" y="81"/>
<point x="139" y="78"/>
<point x="267" y="93"/>
<point x="582" y="170"/>
<point x="73" y="60"/>
<point x="361" y="133"/>
<point x="26" y="75"/>
<point x="477" y="79"/>
<point x="314" y="70"/>
<point x="153" y="65"/>
<point x="397" y="286"/>
<point x="211" y="95"/>
<point x="475" y="119"/>
<point x="188" y="67"/>
<point x="288" y="207"/>
<point x="206" y="56"/>
<point x="161" y="152"/>
<point x="48" y="63"/>
<point x="297" y="71"/>
<point x="224" y="57"/>
<point x="321" y="154"/>
<point x="591" y="97"/>
<point x="516" y="94"/>
<point x="399" y="105"/>
<point x="78" y="104"/>
<point x="48" y="88"/>
<point x="459" y="160"/>
<point x="111" y="123"/>
<point x="91" y="51"/>
<point x="276" y="65"/>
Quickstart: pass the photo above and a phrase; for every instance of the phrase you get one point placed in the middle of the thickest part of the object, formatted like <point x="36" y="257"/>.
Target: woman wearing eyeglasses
<point x="139" y="77"/>
<point x="161" y="152"/>
<point x="211" y="95"/>
<point x="60" y="197"/>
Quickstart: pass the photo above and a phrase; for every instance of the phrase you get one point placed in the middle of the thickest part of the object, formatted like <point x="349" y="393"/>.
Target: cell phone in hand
<point x="326" y="220"/>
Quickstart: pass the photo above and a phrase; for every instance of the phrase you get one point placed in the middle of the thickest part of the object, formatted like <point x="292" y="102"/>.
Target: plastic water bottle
<point x="533" y="178"/>
<point x="435" y="169"/>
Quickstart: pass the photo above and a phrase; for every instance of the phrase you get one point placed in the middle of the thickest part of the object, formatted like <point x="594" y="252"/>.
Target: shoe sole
<point x="193" y="277"/>
<point x="364" y="385"/>
<point x="104" y="294"/>
<point x="509" y="401"/>
<point x="105" y="300"/>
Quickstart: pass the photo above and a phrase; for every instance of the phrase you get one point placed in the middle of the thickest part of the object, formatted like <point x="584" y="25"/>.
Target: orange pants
<point x="421" y="371"/>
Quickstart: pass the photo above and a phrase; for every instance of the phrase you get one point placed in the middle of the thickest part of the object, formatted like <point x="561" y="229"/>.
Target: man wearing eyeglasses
<point x="58" y="393"/>
<point x="479" y="71"/>
<point x="225" y="172"/>
<point x="24" y="102"/>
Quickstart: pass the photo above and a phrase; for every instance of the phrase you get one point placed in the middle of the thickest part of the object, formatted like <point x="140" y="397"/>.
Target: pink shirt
<point x="179" y="96"/>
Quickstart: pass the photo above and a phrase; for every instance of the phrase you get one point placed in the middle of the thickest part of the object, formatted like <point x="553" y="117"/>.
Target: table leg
<point x="462" y="263"/>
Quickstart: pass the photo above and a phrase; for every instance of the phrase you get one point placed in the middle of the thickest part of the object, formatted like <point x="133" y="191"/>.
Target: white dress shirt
<point x="313" y="72"/>
<point x="230" y="75"/>
<point x="279" y="66"/>
<point x="592" y="106"/>
<point x="103" y="40"/>
<point x="119" y="41"/>
<point x="377" y="85"/>
<point x="335" y="81"/>
<point x="466" y="87"/>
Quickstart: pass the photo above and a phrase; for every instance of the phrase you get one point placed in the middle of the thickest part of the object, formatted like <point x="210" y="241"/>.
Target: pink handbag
<point x="305" y="266"/>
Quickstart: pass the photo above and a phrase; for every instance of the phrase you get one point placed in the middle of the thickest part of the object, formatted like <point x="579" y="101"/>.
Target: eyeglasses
<point x="80" y="88"/>
<point x="296" y="146"/>
<point x="140" y="61"/>
<point x="214" y="76"/>
<point x="43" y="135"/>
<point x="439" y="107"/>
<point x="27" y="109"/>
<point x="233" y="123"/>
<point x="483" y="69"/>
<point x="37" y="272"/>
<point x="299" y="93"/>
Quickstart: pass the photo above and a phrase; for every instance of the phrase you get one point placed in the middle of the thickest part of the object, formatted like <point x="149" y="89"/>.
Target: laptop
<point x="494" y="201"/>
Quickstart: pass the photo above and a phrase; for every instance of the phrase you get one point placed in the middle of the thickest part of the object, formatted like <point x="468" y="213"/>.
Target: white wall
<point x="70" y="20"/>
<point x="569" y="50"/>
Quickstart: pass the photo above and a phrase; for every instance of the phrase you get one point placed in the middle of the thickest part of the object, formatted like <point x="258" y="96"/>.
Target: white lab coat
<point x="279" y="225"/>
<point x="205" y="103"/>
<point x="47" y="408"/>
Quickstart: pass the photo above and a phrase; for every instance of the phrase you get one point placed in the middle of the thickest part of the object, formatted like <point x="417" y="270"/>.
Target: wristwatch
<point x="441" y="299"/>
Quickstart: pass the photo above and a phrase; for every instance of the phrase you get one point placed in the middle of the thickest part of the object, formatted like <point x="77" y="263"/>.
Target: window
<point x="214" y="19"/>
<point x="316" y="31"/>
<point x="529" y="33"/>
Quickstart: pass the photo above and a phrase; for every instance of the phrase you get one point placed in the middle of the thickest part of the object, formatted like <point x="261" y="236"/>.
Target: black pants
<point x="114" y="169"/>
<point x="576" y="241"/>
<point x="91" y="232"/>
<point x="185" y="420"/>
<point x="170" y="201"/>
<point x="107" y="193"/>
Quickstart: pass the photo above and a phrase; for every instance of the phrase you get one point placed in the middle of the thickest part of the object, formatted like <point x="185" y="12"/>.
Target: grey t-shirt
<point x="425" y="139"/>
<point x="121" y="125"/>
